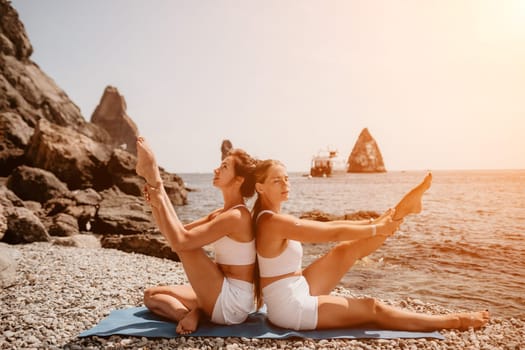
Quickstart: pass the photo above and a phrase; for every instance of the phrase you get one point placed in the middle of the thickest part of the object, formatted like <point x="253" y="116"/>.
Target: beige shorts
<point x="234" y="303"/>
<point x="290" y="304"/>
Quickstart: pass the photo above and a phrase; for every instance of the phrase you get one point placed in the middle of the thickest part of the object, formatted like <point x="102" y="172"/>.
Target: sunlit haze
<point x="439" y="84"/>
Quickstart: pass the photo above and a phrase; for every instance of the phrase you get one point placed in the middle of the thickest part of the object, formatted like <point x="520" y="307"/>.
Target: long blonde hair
<point x="260" y="174"/>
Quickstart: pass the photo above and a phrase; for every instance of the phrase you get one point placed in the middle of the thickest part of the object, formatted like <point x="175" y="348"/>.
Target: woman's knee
<point x="373" y="306"/>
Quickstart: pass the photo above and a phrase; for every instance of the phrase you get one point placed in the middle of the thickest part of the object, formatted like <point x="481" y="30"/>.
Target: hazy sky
<point x="440" y="84"/>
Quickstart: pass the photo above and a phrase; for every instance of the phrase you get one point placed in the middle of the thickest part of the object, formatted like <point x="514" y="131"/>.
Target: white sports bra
<point x="231" y="252"/>
<point x="288" y="261"/>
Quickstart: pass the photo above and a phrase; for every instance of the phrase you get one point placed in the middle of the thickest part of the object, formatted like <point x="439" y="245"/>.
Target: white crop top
<point x="288" y="261"/>
<point x="231" y="252"/>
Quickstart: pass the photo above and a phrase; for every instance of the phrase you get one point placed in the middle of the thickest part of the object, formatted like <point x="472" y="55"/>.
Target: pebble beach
<point x="63" y="291"/>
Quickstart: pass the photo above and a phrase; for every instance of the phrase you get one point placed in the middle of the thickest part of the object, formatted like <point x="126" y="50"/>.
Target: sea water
<point x="466" y="249"/>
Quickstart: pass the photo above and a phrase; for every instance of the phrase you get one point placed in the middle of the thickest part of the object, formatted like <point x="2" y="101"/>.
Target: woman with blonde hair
<point x="299" y="298"/>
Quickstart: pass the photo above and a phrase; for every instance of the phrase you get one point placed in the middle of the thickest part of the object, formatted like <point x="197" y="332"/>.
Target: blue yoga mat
<point x="140" y="322"/>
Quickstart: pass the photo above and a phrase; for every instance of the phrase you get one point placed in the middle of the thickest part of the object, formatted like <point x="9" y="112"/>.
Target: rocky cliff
<point x="365" y="156"/>
<point x="61" y="175"/>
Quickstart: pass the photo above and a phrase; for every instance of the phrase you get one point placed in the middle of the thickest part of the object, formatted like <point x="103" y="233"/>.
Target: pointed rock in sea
<point x="366" y="156"/>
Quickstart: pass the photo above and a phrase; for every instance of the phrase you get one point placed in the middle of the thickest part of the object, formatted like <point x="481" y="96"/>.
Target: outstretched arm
<point x="289" y="227"/>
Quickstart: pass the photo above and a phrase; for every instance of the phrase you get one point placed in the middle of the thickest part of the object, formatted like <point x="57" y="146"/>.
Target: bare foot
<point x="189" y="323"/>
<point x="473" y="319"/>
<point x="411" y="202"/>
<point x="146" y="163"/>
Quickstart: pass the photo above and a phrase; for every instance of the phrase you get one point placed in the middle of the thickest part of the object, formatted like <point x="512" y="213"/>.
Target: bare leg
<point x="326" y="272"/>
<point x="411" y="202"/>
<point x="175" y="302"/>
<point x="337" y="312"/>
<point x="171" y="302"/>
<point x="204" y="276"/>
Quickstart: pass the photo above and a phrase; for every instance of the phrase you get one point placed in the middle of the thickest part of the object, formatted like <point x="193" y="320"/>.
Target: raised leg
<point x="146" y="163"/>
<point x="411" y="202"/>
<point x="185" y="303"/>
<point x="326" y="272"/>
<point x="204" y="276"/>
<point x="175" y="302"/>
<point x="337" y="312"/>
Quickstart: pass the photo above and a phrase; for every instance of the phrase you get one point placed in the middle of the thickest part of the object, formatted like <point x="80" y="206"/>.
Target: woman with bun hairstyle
<point x="221" y="289"/>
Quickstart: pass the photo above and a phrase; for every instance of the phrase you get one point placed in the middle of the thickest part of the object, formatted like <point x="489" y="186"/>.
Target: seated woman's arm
<point x="195" y="235"/>
<point x="202" y="220"/>
<point x="289" y="227"/>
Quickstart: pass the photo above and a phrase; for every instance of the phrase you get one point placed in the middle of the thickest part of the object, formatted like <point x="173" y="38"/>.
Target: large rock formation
<point x="365" y="156"/>
<point x="67" y="177"/>
<point x="76" y="159"/>
<point x="111" y="115"/>
<point x="14" y="137"/>
<point x="35" y="184"/>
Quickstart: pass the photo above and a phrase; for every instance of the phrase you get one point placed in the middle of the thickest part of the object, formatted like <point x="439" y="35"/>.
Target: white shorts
<point x="234" y="302"/>
<point x="290" y="304"/>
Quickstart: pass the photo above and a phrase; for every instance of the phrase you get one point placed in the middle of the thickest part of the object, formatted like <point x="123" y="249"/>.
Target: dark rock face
<point x="148" y="244"/>
<point x="74" y="158"/>
<point x="14" y="137"/>
<point x="111" y="115"/>
<point x="63" y="225"/>
<point x="365" y="156"/>
<point x="121" y="166"/>
<point x="26" y="90"/>
<point x="24" y="227"/>
<point x="120" y="213"/>
<point x="9" y="199"/>
<point x="35" y="184"/>
<point x="174" y="186"/>
<point x="57" y="161"/>
<point x="13" y="38"/>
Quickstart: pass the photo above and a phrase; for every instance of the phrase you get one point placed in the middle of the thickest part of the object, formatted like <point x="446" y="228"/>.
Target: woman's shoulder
<point x="236" y="214"/>
<point x="274" y="220"/>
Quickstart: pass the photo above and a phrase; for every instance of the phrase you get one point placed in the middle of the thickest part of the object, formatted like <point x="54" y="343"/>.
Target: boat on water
<point x="327" y="163"/>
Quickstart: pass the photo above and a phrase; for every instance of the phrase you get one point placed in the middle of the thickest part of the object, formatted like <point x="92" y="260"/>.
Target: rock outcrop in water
<point x="66" y="177"/>
<point x="365" y="156"/>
